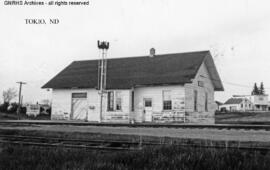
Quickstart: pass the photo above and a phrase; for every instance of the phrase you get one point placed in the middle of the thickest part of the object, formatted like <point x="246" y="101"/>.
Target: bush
<point x="12" y="108"/>
<point x="23" y="110"/>
<point x="4" y="106"/>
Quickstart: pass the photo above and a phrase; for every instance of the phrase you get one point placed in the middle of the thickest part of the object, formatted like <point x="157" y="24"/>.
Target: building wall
<point x="181" y="97"/>
<point x="245" y="105"/>
<point x="259" y="99"/>
<point x="61" y="105"/>
<point x="201" y="115"/>
<point x="231" y="107"/>
<point x="260" y="102"/>
<point x="156" y="94"/>
<point x="118" y="116"/>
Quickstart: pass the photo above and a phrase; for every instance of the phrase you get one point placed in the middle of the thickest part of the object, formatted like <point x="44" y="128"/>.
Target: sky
<point x="237" y="33"/>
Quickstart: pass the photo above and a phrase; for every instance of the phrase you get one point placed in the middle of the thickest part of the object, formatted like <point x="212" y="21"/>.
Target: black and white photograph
<point x="134" y="84"/>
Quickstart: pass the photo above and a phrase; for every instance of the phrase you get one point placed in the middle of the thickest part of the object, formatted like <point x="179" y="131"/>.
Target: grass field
<point x="243" y="118"/>
<point x="166" y="157"/>
<point x="14" y="116"/>
<point x="162" y="157"/>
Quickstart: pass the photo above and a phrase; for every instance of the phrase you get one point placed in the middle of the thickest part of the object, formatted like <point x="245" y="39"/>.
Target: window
<point x="206" y="102"/>
<point x="79" y="95"/>
<point x="195" y="100"/>
<point x="242" y="105"/>
<point x="110" y="101"/>
<point x="118" y="101"/>
<point x="147" y="102"/>
<point x="167" y="102"/>
<point x="132" y="101"/>
<point x="114" y="101"/>
<point x="200" y="83"/>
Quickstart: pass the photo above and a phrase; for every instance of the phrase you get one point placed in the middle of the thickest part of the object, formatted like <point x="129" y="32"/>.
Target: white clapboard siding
<point x="182" y="97"/>
<point x="156" y="94"/>
<point x="201" y="116"/>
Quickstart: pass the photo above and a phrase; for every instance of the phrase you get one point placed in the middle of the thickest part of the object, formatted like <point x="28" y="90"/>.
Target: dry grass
<point x="243" y="118"/>
<point x="168" y="157"/>
<point x="14" y="116"/>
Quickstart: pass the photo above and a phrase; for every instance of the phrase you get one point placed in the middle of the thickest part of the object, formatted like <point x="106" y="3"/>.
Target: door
<point x="79" y="106"/>
<point x="148" y="110"/>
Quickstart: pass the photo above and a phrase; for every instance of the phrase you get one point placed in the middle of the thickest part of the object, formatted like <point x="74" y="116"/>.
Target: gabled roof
<point x="218" y="103"/>
<point x="126" y="73"/>
<point x="234" y="101"/>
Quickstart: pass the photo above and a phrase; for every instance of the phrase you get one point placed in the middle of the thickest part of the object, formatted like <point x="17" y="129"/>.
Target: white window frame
<point x="195" y="103"/>
<point x="109" y="101"/>
<point x="163" y="100"/>
<point x="132" y="100"/>
<point x="116" y="97"/>
<point x="206" y="102"/>
<point x="147" y="99"/>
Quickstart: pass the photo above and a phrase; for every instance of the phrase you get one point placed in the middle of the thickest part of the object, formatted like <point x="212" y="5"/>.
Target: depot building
<point x="176" y="87"/>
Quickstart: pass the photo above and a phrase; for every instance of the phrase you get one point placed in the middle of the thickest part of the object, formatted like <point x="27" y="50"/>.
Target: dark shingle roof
<point x="125" y="73"/>
<point x="234" y="101"/>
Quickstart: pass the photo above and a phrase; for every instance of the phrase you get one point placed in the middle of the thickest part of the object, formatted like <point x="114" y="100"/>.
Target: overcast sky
<point x="237" y="32"/>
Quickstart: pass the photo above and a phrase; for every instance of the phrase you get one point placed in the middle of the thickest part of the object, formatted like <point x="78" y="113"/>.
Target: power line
<point x="231" y="83"/>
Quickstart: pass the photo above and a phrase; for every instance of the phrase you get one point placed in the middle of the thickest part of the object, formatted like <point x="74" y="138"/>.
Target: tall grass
<point x="166" y="157"/>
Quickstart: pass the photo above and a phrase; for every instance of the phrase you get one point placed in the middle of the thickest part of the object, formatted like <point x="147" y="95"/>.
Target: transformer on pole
<point x="103" y="46"/>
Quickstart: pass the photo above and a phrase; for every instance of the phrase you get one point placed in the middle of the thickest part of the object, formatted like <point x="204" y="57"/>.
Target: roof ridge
<point x="173" y="68"/>
<point x="145" y="56"/>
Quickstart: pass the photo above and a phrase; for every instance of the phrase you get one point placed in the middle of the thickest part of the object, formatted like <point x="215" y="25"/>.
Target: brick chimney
<point x="152" y="52"/>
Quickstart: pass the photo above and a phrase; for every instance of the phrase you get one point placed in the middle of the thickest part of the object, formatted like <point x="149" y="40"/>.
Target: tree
<point x="261" y="90"/>
<point x="255" y="90"/>
<point x="9" y="94"/>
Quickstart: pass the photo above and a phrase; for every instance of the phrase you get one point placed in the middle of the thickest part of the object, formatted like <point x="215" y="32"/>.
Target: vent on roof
<point x="152" y="52"/>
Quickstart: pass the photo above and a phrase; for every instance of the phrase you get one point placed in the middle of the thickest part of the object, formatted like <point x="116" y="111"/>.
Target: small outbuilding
<point x="175" y="87"/>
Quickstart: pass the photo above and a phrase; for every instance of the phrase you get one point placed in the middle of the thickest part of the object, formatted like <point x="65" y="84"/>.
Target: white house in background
<point x="156" y="88"/>
<point x="260" y="102"/>
<point x="237" y="104"/>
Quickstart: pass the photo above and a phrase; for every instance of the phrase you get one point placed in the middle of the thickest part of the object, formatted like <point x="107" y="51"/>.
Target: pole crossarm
<point x="20" y="82"/>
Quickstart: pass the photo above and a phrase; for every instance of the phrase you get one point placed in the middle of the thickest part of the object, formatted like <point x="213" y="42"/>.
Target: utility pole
<point x="103" y="46"/>
<point x="20" y="97"/>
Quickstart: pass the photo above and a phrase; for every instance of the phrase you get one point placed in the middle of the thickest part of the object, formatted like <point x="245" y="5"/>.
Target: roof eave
<point x="218" y="86"/>
<point x="219" y="89"/>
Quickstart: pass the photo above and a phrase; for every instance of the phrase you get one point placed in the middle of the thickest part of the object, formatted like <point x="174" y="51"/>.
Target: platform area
<point x="207" y="132"/>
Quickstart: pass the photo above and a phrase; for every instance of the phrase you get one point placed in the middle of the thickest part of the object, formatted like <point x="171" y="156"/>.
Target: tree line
<point x="258" y="90"/>
<point x="8" y="95"/>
